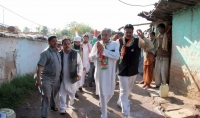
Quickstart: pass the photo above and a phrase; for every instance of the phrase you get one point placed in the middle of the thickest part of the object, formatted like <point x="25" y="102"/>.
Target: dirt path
<point x="87" y="106"/>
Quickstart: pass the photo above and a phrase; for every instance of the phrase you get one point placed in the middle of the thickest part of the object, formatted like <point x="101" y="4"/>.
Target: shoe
<point x="80" y="89"/>
<point x="90" y="85"/>
<point x="54" y="109"/>
<point x="62" y="112"/>
<point x="76" y="95"/>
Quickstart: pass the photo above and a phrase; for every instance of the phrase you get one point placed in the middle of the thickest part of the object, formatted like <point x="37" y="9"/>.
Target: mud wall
<point x="18" y="57"/>
<point x="185" y="61"/>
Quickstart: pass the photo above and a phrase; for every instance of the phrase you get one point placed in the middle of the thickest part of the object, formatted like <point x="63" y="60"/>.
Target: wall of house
<point x="18" y="57"/>
<point x="185" y="60"/>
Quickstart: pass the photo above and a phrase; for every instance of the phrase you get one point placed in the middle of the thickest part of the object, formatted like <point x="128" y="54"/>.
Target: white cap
<point x="77" y="38"/>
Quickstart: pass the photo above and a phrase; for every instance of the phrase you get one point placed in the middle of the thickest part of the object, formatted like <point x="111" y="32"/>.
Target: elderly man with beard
<point x="105" y="53"/>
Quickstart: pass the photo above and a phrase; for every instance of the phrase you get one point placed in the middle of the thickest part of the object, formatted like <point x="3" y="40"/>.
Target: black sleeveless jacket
<point x="72" y="65"/>
<point x="130" y="62"/>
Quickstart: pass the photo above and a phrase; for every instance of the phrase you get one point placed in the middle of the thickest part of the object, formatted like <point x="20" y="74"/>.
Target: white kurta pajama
<point x="105" y="79"/>
<point x="67" y="88"/>
<point x="86" y="62"/>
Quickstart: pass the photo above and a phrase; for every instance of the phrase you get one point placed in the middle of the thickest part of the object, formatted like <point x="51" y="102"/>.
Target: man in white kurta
<point x="105" y="75"/>
<point x="67" y="87"/>
<point x="85" y="58"/>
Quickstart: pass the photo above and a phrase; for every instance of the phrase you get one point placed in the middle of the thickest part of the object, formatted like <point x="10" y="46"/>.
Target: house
<point x="19" y="54"/>
<point x="182" y="18"/>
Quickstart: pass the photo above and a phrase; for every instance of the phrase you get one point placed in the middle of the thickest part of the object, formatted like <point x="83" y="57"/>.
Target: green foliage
<point x="38" y="29"/>
<point x="82" y="29"/>
<point x="26" y="29"/>
<point x="44" y="30"/>
<point x="14" y="93"/>
<point x="69" y="30"/>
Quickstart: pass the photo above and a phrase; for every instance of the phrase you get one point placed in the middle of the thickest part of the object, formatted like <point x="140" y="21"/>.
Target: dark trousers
<point x="91" y="73"/>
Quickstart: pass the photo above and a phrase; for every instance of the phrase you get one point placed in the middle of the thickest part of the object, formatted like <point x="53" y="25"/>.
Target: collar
<point x="68" y="52"/>
<point x="51" y="49"/>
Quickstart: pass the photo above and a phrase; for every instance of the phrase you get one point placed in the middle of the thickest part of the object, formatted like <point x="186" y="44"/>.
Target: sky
<point x="98" y="14"/>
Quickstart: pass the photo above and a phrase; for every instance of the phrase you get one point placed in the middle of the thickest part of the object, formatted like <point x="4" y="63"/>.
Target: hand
<point x="78" y="77"/>
<point x="84" y="69"/>
<point x="38" y="83"/>
<point x="140" y="33"/>
<point x="100" y="46"/>
<point x="145" y="50"/>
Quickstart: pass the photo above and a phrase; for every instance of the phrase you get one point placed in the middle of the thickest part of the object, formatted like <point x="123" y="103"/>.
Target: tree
<point x="44" y="30"/>
<point x="38" y="29"/>
<point x="64" y="32"/>
<point x="26" y="29"/>
<point x="17" y="29"/>
<point x="82" y="29"/>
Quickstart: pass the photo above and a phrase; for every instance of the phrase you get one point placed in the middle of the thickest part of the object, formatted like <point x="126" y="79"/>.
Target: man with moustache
<point x="71" y="73"/>
<point x="48" y="76"/>
<point x="130" y="49"/>
<point x="105" y="53"/>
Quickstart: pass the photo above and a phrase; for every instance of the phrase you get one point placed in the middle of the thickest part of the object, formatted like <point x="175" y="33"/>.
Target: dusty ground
<point x="143" y="105"/>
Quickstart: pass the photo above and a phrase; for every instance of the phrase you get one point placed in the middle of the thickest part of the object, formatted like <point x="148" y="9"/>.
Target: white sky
<point x="57" y="13"/>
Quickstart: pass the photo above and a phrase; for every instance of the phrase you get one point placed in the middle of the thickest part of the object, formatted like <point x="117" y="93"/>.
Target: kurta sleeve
<point x="145" y="43"/>
<point x="79" y="65"/>
<point x="93" y="54"/>
<point x="117" y="41"/>
<point x="113" y="54"/>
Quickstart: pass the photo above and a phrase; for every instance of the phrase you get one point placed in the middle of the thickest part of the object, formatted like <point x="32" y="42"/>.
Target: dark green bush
<point x="14" y="93"/>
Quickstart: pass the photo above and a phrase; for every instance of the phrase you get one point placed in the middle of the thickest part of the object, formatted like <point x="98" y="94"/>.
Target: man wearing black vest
<point x="71" y="73"/>
<point x="130" y="48"/>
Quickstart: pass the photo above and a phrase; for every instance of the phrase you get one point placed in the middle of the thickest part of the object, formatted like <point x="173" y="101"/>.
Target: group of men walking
<point x="65" y="70"/>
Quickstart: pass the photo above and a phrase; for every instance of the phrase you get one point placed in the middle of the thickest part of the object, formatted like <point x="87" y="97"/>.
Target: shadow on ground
<point x="87" y="106"/>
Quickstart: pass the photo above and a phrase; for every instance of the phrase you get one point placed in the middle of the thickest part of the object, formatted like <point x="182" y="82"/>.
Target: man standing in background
<point x="85" y="58"/>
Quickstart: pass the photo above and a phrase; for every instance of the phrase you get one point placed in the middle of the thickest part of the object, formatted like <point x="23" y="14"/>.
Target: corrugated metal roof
<point x="164" y="9"/>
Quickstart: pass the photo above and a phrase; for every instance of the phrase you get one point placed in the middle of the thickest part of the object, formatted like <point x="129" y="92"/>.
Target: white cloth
<point x="82" y="81"/>
<point x="67" y="88"/>
<point x="126" y="85"/>
<point x="77" y="38"/>
<point x="103" y="105"/>
<point x="105" y="79"/>
<point x="86" y="62"/>
<point x="85" y="55"/>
